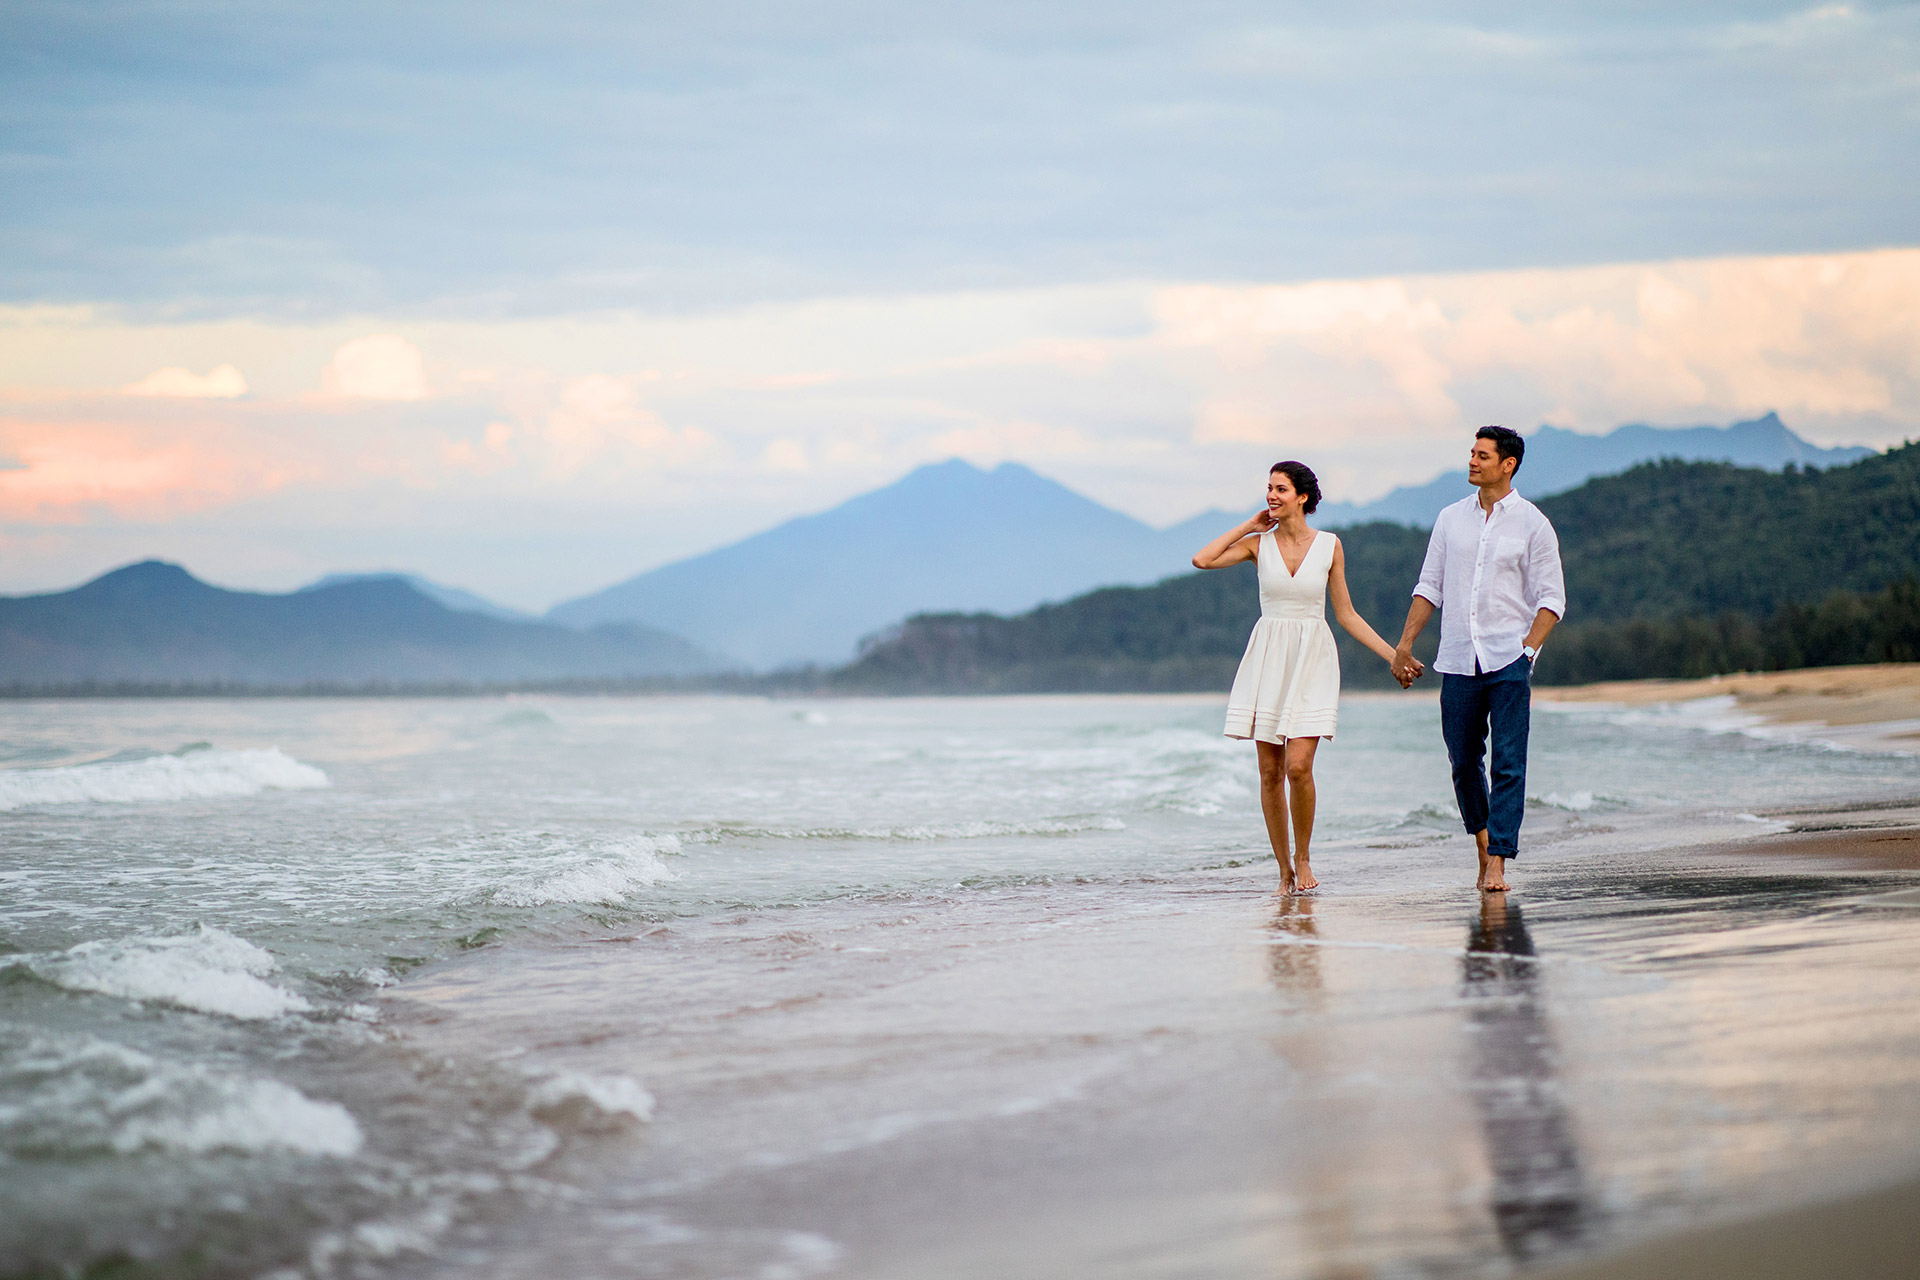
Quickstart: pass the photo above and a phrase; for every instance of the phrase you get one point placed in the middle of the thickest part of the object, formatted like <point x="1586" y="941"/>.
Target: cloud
<point x="1378" y="370"/>
<point x="79" y="470"/>
<point x="600" y="419"/>
<point x="222" y="382"/>
<point x="642" y="436"/>
<point x="382" y="366"/>
<point x="691" y="155"/>
<point x="785" y="455"/>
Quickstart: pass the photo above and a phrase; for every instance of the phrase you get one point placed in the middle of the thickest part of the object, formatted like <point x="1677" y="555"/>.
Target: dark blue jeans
<point x="1471" y="706"/>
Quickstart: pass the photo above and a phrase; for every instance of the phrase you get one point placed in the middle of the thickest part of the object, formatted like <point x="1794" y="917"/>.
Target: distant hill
<point x="946" y="536"/>
<point x="1558" y="460"/>
<point x="452" y="597"/>
<point x="1664" y="545"/>
<point x="156" y="624"/>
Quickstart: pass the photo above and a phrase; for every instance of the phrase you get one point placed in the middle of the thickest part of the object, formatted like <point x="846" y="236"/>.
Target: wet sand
<point x="1870" y="1235"/>
<point x="1871" y="708"/>
<point x="1188" y="1076"/>
<point x="1874" y="1236"/>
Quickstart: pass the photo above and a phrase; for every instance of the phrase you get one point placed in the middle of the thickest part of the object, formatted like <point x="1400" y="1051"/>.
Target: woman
<point x="1287" y="693"/>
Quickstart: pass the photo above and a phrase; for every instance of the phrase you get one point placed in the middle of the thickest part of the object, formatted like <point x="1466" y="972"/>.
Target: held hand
<point x="1406" y="668"/>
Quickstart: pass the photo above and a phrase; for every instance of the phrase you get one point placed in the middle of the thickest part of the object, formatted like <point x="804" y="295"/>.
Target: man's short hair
<point x="1506" y="442"/>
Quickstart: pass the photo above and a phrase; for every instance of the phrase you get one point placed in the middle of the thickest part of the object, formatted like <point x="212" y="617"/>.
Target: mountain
<point x="1673" y="568"/>
<point x="1558" y="460"/>
<point x="155" y="623"/>
<point x="452" y="597"/>
<point x="946" y="536"/>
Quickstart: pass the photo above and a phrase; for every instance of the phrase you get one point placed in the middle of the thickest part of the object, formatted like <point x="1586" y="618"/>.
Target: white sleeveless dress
<point x="1288" y="685"/>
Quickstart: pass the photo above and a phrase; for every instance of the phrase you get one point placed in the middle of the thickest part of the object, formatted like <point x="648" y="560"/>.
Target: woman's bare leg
<point x="1300" y="796"/>
<point x="1273" y="806"/>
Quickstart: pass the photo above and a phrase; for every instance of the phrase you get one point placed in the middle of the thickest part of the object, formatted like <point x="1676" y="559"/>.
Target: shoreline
<point x="1866" y="708"/>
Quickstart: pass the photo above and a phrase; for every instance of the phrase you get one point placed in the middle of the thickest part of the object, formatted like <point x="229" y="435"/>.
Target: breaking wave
<point x="79" y="1095"/>
<point x="193" y="773"/>
<point x="209" y="970"/>
<point x="603" y="876"/>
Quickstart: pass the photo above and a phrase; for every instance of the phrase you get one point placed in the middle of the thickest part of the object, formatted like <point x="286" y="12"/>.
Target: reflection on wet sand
<point x="1539" y="1199"/>
<point x="1295" y="968"/>
<point x="1325" y="1187"/>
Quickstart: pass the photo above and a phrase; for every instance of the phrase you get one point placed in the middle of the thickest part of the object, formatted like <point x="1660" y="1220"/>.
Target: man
<point x="1493" y="570"/>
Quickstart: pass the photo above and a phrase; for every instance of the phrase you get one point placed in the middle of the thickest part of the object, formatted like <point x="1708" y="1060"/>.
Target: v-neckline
<point x="1295" y="571"/>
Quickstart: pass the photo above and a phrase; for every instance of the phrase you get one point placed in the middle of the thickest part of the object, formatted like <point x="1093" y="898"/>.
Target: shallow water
<point x="729" y="986"/>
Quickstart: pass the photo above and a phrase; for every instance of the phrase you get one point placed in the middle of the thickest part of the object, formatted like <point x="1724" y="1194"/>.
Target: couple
<point x="1492" y="568"/>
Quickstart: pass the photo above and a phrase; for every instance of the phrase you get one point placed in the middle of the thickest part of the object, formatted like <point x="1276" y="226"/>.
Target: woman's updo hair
<point x="1304" y="482"/>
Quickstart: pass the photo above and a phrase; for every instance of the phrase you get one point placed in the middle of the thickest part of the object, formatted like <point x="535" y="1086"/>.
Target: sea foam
<point x="603" y="876"/>
<point x="188" y="775"/>
<point x="585" y="1103"/>
<point x="209" y="970"/>
<point x="80" y="1095"/>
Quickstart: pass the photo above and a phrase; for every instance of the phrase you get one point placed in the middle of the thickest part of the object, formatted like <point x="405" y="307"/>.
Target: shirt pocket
<point x="1510" y="553"/>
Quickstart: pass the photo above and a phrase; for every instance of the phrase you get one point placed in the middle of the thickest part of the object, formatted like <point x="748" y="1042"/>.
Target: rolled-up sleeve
<point x="1433" y="571"/>
<point x="1545" y="581"/>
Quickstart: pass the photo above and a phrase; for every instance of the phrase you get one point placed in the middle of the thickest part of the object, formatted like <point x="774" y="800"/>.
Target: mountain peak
<point x="149" y="578"/>
<point x="947" y="535"/>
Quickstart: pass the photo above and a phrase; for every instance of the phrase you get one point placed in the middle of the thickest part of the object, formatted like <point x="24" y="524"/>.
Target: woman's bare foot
<point x="1303" y="876"/>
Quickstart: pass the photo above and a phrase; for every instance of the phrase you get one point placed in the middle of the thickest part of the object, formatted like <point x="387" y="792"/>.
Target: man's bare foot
<point x="1303" y="879"/>
<point x="1494" y="878"/>
<point x="1480" y="839"/>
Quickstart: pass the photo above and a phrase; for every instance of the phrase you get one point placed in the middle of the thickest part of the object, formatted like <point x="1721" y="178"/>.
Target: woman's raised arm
<point x="1238" y="543"/>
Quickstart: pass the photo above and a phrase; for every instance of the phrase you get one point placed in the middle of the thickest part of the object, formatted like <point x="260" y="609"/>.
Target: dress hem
<point x="1244" y="724"/>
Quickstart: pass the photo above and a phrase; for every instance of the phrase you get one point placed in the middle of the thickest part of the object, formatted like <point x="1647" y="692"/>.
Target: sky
<point x="529" y="298"/>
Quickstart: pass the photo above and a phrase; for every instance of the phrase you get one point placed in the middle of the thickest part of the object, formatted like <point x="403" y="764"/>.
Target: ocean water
<point x="371" y="987"/>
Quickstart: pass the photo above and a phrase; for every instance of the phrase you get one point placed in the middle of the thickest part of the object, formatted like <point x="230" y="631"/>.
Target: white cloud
<point x="598" y="417"/>
<point x="222" y="382"/>
<point x="785" y="455"/>
<point x="381" y="366"/>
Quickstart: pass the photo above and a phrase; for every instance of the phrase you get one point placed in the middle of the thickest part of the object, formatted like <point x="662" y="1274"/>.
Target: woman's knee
<point x="1300" y="770"/>
<point x="1272" y="763"/>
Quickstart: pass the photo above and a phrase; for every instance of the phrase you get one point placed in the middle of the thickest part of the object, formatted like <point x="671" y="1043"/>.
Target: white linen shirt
<point x="1489" y="575"/>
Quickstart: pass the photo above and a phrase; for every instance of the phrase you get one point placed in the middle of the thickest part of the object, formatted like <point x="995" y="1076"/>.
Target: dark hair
<point x="1506" y="442"/>
<point x="1303" y="479"/>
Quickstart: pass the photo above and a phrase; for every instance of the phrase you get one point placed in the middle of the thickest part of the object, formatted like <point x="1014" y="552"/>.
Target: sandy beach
<point x="1871" y="708"/>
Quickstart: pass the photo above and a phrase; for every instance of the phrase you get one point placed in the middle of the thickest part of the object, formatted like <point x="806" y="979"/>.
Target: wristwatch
<point x="1528" y="652"/>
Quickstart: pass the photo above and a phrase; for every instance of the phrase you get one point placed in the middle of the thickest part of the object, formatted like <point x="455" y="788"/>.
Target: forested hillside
<point x="1672" y="569"/>
<point x="1674" y="538"/>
